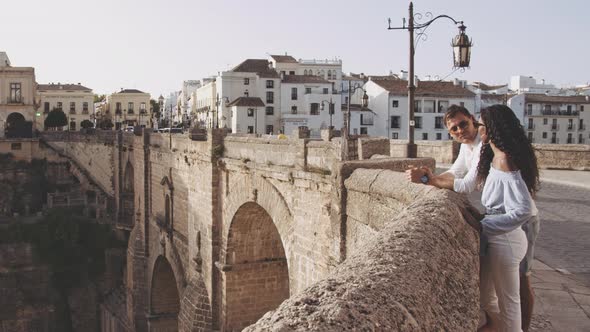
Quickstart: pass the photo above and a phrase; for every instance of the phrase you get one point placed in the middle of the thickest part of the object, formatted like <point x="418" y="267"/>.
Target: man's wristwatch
<point x="424" y="179"/>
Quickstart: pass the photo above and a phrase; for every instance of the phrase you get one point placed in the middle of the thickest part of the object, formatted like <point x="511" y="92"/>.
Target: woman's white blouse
<point x="507" y="201"/>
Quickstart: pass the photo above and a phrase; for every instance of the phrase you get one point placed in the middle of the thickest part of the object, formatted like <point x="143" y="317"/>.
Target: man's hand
<point x="413" y="174"/>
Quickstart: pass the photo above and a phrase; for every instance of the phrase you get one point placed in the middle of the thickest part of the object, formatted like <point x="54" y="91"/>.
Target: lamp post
<point x="330" y="110"/>
<point x="461" y="57"/>
<point x="215" y="122"/>
<point x="365" y="103"/>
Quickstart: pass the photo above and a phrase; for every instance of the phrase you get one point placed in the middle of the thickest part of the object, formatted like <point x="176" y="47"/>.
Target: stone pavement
<point x="561" y="302"/>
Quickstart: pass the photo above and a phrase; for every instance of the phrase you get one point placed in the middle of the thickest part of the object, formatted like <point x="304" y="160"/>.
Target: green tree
<point x="105" y="124"/>
<point x="86" y="124"/>
<point x="99" y="98"/>
<point x="56" y="118"/>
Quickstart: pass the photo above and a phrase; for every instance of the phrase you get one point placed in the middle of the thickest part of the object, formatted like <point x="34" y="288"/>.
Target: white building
<point x="170" y="108"/>
<point x="186" y="101"/>
<point x="553" y="119"/>
<point x="130" y="107"/>
<point x="488" y="95"/>
<point x="388" y="100"/>
<point x="75" y="100"/>
<point x="522" y="84"/>
<point x="17" y="99"/>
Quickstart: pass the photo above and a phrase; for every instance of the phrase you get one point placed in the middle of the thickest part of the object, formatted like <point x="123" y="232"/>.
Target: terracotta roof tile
<point x="247" y="101"/>
<point x="284" y="58"/>
<point x="541" y="98"/>
<point x="303" y="79"/>
<point x="259" y="66"/>
<point x="425" y="88"/>
<point x="71" y="87"/>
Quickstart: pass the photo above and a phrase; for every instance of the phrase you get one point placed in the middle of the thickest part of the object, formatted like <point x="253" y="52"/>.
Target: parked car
<point x="171" y="130"/>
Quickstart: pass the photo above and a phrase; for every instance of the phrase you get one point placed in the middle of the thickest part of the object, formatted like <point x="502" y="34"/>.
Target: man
<point x="461" y="177"/>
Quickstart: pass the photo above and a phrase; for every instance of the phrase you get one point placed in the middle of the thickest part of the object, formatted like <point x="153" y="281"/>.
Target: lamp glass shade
<point x="461" y="49"/>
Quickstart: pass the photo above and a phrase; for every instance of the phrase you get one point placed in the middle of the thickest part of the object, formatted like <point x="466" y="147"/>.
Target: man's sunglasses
<point x="463" y="124"/>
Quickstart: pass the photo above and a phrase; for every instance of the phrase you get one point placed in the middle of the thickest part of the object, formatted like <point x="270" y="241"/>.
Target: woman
<point x="508" y="172"/>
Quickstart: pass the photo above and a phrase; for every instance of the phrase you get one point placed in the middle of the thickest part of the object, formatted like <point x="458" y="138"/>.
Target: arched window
<point x="167" y="211"/>
<point x="305" y="72"/>
<point x="329" y="74"/>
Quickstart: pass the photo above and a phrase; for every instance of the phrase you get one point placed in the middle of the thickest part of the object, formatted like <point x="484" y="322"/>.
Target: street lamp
<point x="365" y="103"/>
<point x="215" y="122"/>
<point x="330" y="110"/>
<point x="461" y="57"/>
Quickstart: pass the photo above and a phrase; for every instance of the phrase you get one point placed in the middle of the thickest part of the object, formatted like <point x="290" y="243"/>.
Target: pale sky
<point x="154" y="45"/>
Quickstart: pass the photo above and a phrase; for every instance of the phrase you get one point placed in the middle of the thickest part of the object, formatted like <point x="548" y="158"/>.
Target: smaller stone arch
<point x="164" y="304"/>
<point x="17" y="126"/>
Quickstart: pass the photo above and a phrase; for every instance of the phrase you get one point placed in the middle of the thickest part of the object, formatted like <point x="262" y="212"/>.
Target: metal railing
<point x="554" y="127"/>
<point x="566" y="113"/>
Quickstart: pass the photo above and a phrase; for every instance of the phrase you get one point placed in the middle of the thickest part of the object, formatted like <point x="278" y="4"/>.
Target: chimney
<point x="403" y="75"/>
<point x="362" y="76"/>
<point x="456" y="82"/>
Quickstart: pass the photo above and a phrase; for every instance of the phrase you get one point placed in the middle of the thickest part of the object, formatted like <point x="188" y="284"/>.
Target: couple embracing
<point x="497" y="158"/>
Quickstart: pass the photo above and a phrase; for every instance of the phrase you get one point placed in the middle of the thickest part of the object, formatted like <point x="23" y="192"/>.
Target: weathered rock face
<point x="416" y="272"/>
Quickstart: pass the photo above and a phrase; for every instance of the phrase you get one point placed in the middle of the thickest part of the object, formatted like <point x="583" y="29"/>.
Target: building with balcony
<point x="388" y="100"/>
<point x="553" y="119"/>
<point x="129" y="107"/>
<point x="488" y="95"/>
<point x="18" y="102"/>
<point x="75" y="100"/>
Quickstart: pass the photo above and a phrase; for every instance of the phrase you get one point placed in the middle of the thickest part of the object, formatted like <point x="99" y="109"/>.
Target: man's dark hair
<point x="454" y="110"/>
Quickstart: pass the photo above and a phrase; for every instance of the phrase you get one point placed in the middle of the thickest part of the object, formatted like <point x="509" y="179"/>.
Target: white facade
<point x="553" y="119"/>
<point x="521" y="84"/>
<point x="75" y="100"/>
<point x="130" y="107"/>
<point x="388" y="100"/>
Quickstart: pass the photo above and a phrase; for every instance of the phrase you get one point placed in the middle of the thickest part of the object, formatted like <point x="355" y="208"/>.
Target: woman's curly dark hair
<point x="504" y="129"/>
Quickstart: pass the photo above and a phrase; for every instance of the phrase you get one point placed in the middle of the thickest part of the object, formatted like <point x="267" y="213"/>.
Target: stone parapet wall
<point x="563" y="156"/>
<point x="444" y="152"/>
<point x="369" y="146"/>
<point x="413" y="268"/>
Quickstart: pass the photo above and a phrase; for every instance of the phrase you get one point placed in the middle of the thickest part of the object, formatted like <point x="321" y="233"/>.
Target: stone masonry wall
<point x="563" y="156"/>
<point x="444" y="152"/>
<point x="418" y="271"/>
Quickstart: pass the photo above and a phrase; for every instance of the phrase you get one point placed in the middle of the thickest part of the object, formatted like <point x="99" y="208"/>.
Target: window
<point x="46" y="107"/>
<point x="270" y="97"/>
<point x="547" y="108"/>
<point x="305" y="72"/>
<point x="367" y="119"/>
<point x="581" y="125"/>
<point x="544" y="135"/>
<point x="72" y="108"/>
<point x="314" y="109"/>
<point x="418" y="122"/>
<point x="438" y="136"/>
<point x="580" y="139"/>
<point x="438" y="122"/>
<point x="395" y="121"/>
<point x="395" y="103"/>
<point x="60" y="105"/>
<point x="142" y="107"/>
<point x="85" y="107"/>
<point x="364" y="130"/>
<point x="250" y="112"/>
<point x="570" y="124"/>
<point x="569" y="138"/>
<point x="118" y="107"/>
<point x="428" y="106"/>
<point x="545" y="121"/>
<point x="325" y="90"/>
<point x="307" y="91"/>
<point x="269" y="129"/>
<point x="581" y="108"/>
<point x="553" y="138"/>
<point x="529" y="109"/>
<point x="417" y="106"/>
<point x="270" y="84"/>
<point x="531" y="124"/>
<point x="569" y="108"/>
<point x="530" y="136"/>
<point x="246" y="81"/>
<point x="291" y="72"/>
<point x="394" y="135"/>
<point x="425" y="136"/>
<point x="329" y="74"/>
<point x="250" y="129"/>
<point x="270" y="110"/>
<point x="462" y="104"/>
<point x="293" y="93"/>
<point x="293" y="109"/>
<point x="442" y="106"/>
<point x="16" y="146"/>
<point x="130" y="107"/>
<point x="73" y="125"/>
<point x="15" y="93"/>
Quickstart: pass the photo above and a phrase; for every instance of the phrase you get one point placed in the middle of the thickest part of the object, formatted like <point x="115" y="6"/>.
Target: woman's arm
<point x="518" y="205"/>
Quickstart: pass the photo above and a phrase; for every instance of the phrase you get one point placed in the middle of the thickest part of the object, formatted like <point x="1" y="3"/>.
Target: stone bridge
<point x="223" y="229"/>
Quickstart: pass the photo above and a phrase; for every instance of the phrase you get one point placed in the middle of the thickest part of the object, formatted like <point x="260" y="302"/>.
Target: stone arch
<point x="261" y="191"/>
<point x="256" y="277"/>
<point x="127" y="211"/>
<point x="164" y="304"/>
<point x="17" y="126"/>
